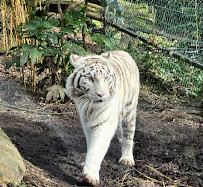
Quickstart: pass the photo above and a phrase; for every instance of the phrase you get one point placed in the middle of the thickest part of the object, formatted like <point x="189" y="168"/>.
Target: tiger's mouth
<point x="99" y="101"/>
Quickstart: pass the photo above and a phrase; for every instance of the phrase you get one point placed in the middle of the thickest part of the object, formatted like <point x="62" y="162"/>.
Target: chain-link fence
<point x="175" y="25"/>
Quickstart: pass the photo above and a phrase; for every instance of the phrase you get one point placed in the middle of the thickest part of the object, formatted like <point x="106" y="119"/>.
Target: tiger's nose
<point x="100" y="95"/>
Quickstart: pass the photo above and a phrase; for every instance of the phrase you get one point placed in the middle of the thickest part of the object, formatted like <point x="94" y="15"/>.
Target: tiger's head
<point x="92" y="77"/>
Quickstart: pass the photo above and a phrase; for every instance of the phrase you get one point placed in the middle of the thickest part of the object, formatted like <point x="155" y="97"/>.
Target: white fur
<point x="105" y="89"/>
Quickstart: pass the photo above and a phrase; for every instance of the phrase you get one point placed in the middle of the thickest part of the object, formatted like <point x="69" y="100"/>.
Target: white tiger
<point x="105" y="89"/>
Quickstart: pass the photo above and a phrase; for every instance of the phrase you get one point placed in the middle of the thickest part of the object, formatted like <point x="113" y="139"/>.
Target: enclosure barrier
<point x="174" y="27"/>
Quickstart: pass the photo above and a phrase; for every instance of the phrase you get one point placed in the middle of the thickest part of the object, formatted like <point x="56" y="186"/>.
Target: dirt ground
<point x="168" y="141"/>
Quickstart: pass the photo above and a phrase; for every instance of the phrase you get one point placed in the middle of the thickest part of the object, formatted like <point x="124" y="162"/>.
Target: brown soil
<point x="168" y="141"/>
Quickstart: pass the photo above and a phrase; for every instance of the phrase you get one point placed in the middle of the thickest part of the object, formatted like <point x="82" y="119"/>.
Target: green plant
<point x="174" y="73"/>
<point x="49" y="44"/>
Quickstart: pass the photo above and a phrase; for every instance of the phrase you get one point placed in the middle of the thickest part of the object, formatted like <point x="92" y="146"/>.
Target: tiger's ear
<point x="107" y="55"/>
<point x="75" y="60"/>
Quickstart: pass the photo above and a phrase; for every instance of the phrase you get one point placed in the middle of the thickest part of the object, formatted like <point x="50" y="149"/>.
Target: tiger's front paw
<point x="127" y="160"/>
<point x="90" y="176"/>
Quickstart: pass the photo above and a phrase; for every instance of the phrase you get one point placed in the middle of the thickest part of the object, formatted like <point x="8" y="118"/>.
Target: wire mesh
<point x="174" y="24"/>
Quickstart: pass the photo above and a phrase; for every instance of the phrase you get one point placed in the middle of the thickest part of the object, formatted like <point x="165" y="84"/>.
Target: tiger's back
<point x="127" y="76"/>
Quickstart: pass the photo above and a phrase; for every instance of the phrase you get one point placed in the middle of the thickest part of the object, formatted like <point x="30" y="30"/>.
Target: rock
<point x="12" y="167"/>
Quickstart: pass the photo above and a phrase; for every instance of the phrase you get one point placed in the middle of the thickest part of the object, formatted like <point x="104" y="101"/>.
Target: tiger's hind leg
<point x="127" y="139"/>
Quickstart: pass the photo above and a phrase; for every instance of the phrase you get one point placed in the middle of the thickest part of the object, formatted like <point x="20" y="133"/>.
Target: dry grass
<point x="13" y="13"/>
<point x="37" y="177"/>
<point x="145" y="179"/>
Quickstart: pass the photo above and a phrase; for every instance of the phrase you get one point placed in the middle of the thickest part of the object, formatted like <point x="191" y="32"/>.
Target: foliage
<point x="102" y="40"/>
<point x="158" y="68"/>
<point x="172" y="72"/>
<point x="74" y="21"/>
<point x="49" y="44"/>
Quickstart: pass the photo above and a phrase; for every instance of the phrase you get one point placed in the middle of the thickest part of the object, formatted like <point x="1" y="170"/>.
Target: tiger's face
<point x="93" y="78"/>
